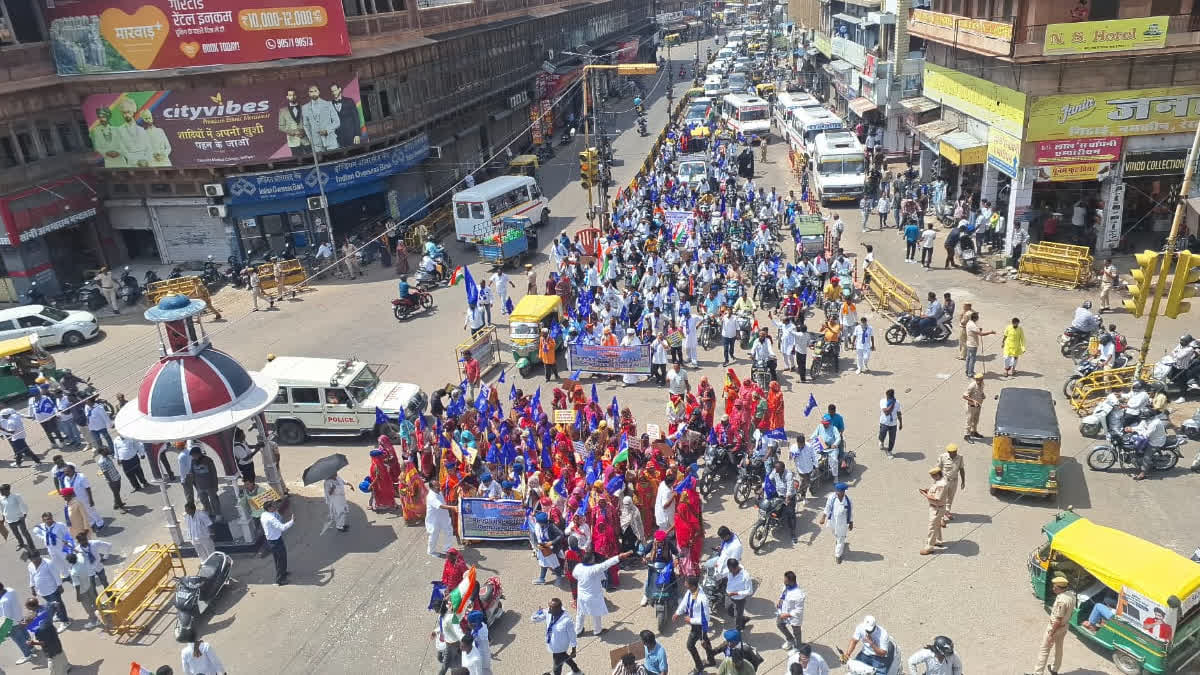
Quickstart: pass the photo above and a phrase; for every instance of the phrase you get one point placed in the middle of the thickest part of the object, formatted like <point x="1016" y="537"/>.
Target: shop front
<point x="964" y="160"/>
<point x="53" y="233"/>
<point x="916" y="112"/>
<point x="1152" y="179"/>
<point x="280" y="212"/>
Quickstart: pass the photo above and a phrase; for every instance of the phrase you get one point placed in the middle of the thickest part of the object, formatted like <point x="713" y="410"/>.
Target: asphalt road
<point x="357" y="601"/>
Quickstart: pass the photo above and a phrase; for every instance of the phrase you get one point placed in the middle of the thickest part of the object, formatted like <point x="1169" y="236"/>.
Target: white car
<point x="694" y="171"/>
<point x="336" y="397"/>
<point x="53" y="326"/>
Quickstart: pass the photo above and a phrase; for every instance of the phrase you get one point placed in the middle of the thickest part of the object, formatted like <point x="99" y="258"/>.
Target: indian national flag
<point x="137" y="669"/>
<point x="461" y="595"/>
<point x="456" y="276"/>
<point x="622" y="456"/>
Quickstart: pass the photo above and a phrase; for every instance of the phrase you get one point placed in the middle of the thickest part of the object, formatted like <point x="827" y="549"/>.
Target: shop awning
<point x="841" y="66"/>
<point x="861" y="106"/>
<point x="919" y="104"/>
<point x="931" y="131"/>
<point x="962" y="148"/>
<point x="848" y="18"/>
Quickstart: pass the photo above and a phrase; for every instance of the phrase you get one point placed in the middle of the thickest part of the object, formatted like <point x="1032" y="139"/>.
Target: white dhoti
<point x="837" y="515"/>
<point x="590" y="580"/>
<point x="437" y="524"/>
<point x="338" y="508"/>
<point x="864" y="358"/>
<point x="691" y="345"/>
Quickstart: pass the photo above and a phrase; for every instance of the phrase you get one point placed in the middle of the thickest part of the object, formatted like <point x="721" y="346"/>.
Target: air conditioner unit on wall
<point x="216" y="210"/>
<point x="316" y="203"/>
<point x="214" y="190"/>
<point x="435" y="152"/>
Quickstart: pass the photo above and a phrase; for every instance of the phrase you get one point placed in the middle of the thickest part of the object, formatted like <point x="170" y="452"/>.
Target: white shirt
<point x="924" y="656"/>
<point x="205" y="664"/>
<point x="10" y="606"/>
<point x="13" y="507"/>
<point x="804" y="457"/>
<point x="729" y="327"/>
<point x="324" y="250"/>
<point x="13" y="427"/>
<point x="694" y="607"/>
<point x="98" y="418"/>
<point x="664" y="513"/>
<point x="816" y="664"/>
<point x="887" y="418"/>
<point x="126" y="449"/>
<point x="197" y="526"/>
<point x="273" y="527"/>
<point x="477" y="661"/>
<point x="762" y="350"/>
<point x="560" y="633"/>
<point x="43" y="579"/>
<point x="863" y="335"/>
<point x="731" y="550"/>
<point x="879" y="636"/>
<point x="677" y="382"/>
<point x="791" y="602"/>
<point x="738" y="585"/>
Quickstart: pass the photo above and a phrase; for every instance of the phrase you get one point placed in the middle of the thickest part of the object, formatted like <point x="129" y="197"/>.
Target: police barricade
<point x="191" y="286"/>
<point x="1092" y="387"/>
<point x="887" y="293"/>
<point x="492" y="520"/>
<point x="484" y="345"/>
<point x="293" y="274"/>
<point x="1056" y="265"/>
<point x="128" y="604"/>
<point x="616" y="360"/>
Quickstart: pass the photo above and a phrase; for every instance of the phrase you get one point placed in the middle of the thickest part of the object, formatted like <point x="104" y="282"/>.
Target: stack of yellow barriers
<point x="1056" y="265"/>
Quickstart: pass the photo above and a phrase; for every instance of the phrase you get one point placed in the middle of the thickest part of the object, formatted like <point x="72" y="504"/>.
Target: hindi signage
<point x="990" y="103"/>
<point x="302" y="182"/>
<point x="492" y="520"/>
<point x="1073" y="150"/>
<point x="981" y="27"/>
<point x="1117" y="35"/>
<point x="617" y="360"/>
<point x="224" y="127"/>
<point x="1058" y="173"/>
<point x="1136" y="112"/>
<point x="1113" y="214"/>
<point x="114" y="36"/>
<point x="1003" y="152"/>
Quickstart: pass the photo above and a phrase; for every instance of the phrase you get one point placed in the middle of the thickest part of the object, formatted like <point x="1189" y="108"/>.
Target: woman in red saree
<point x="774" y="407"/>
<point x="383" y="489"/>
<point x="412" y="494"/>
<point x="606" y="542"/>
<point x="708" y="401"/>
<point x="390" y="456"/>
<point x="733" y="388"/>
<point x="689" y="532"/>
<point x="645" y="489"/>
<point x="453" y="569"/>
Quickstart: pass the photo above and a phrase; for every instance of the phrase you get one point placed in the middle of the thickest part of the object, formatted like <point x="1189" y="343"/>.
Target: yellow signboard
<point x="975" y="155"/>
<point x="1135" y="112"/>
<point x="823" y="44"/>
<point x="1118" y="35"/>
<point x="999" y="106"/>
<point x="1003" y="151"/>
<point x="988" y="29"/>
<point x="1073" y="172"/>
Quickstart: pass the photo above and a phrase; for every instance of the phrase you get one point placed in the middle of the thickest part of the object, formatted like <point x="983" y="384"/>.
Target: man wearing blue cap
<point x="734" y="650"/>
<point x="548" y="542"/>
<point x="839" y="514"/>
<point x="490" y="489"/>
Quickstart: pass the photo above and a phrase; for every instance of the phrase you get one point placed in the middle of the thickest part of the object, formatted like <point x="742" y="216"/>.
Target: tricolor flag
<point x="460" y="597"/>
<point x="134" y="668"/>
<point x="623" y="454"/>
<point x="456" y="275"/>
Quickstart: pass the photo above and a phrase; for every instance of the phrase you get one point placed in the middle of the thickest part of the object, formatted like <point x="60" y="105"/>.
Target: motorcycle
<point x="196" y="593"/>
<point x="970" y="261"/>
<point x="662" y="597"/>
<point x="1191" y="426"/>
<point x="150" y="277"/>
<point x="827" y="358"/>
<point x="709" y="333"/>
<point x="767" y="293"/>
<point x="1164" y="376"/>
<point x="1085" y="367"/>
<point x="211" y="275"/>
<point x="129" y="291"/>
<point x="1074" y="343"/>
<point x="35" y="296"/>
<point x="745" y="329"/>
<point x="761" y="373"/>
<point x="906" y="324"/>
<point x="90" y="297"/>
<point x="893" y="662"/>
<point x="717" y="459"/>
<point x="567" y="136"/>
<point x="233" y="274"/>
<point x="1106" y="416"/>
<point x="427" y="281"/>
<point x="710" y="583"/>
<point x="641" y="125"/>
<point x="176" y="272"/>
<point x="1122" y="449"/>
<point x="751" y="473"/>
<point x="770" y="512"/>
<point x="822" y="473"/>
<point x="402" y="309"/>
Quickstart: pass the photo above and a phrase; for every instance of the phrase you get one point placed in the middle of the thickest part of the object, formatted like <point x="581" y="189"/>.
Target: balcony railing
<point x="992" y="36"/>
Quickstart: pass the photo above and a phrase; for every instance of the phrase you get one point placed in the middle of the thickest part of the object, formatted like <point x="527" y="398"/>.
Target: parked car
<point x="53" y="326"/>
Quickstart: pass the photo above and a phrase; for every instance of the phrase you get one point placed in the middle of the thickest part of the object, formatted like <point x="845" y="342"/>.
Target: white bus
<point x="838" y="166"/>
<point x="812" y="121"/>
<point x="786" y="103"/>
<point x="749" y="115"/>
<point x="477" y="209"/>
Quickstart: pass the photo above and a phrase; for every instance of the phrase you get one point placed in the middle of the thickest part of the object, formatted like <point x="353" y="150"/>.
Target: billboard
<point x="1131" y="112"/>
<point x="224" y="127"/>
<point x="492" y="520"/>
<point x="1117" y="35"/>
<point x="617" y="360"/>
<point x="1071" y="150"/>
<point x="990" y="103"/>
<point x="115" y="36"/>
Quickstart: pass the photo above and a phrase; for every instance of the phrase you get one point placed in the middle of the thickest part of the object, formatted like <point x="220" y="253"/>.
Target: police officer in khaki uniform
<point x="935" y="494"/>
<point x="974" y="397"/>
<point x="530" y="280"/>
<point x="955" y="472"/>
<point x="1056" y="630"/>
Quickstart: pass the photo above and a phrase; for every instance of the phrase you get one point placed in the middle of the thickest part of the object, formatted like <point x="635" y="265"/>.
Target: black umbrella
<point x="326" y="467"/>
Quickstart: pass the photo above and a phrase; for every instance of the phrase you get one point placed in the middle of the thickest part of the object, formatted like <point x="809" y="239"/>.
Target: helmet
<point x="1087" y="304"/>
<point x="1185" y="340"/>
<point x="1139" y="385"/>
<point x="942" y="646"/>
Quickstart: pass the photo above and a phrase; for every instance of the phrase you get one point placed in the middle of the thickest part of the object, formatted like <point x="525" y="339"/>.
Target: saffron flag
<point x="134" y="668"/>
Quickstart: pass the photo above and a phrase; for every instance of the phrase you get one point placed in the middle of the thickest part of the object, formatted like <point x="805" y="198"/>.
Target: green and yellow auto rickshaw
<point x="1025" y="444"/>
<point x="22" y="361"/>
<point x="1149" y="595"/>
<point x="525" y="324"/>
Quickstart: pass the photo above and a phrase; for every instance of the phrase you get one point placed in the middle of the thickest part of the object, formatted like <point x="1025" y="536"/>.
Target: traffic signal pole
<point x="587" y="73"/>
<point x="1169" y="250"/>
<point x="622" y="69"/>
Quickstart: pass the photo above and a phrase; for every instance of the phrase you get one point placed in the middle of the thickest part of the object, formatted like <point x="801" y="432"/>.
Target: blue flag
<point x="502" y="375"/>
<point x="512" y="392"/>
<point x="481" y="401"/>
<point x="575" y="375"/>
<point x="686" y="484"/>
<point x="591" y="469"/>
<point x="812" y="403"/>
<point x="508" y="306"/>
<point x="537" y="399"/>
<point x="579" y="419"/>
<point x="400" y="417"/>
<point x="560" y="486"/>
<point x="616" y="409"/>
<point x="470" y="286"/>
<point x="595" y="396"/>
<point x="769" y="490"/>
<point x="555" y="331"/>
<point x="712" y="436"/>
<point x="380" y="417"/>
<point x="615" y="484"/>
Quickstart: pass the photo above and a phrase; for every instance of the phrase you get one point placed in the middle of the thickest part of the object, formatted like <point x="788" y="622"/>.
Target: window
<point x="8" y="152"/>
<point x="369" y="102"/>
<point x="385" y="106"/>
<point x="7" y="325"/>
<point x="306" y="395"/>
<point x="160" y="188"/>
<point x="535" y="192"/>
<point x="47" y="141"/>
<point x="462" y="210"/>
<point x="33" y="321"/>
<point x="336" y="397"/>
<point x="281" y="397"/>
<point x="53" y="313"/>
<point x="66" y="137"/>
<point x="477" y="211"/>
<point x="25" y="140"/>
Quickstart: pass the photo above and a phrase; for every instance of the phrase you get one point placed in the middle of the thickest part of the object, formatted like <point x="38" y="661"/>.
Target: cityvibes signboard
<point x="224" y="127"/>
<point x="1135" y="112"/>
<point x="113" y="36"/>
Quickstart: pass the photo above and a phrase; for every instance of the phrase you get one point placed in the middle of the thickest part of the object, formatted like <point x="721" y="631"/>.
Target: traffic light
<point x="589" y="167"/>
<point x="1144" y="277"/>
<point x="1186" y="273"/>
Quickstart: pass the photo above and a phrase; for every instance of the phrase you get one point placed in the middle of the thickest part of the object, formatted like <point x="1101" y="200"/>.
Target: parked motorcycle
<point x="1122" y="449"/>
<point x="751" y="473"/>
<point x="176" y="272"/>
<point x="211" y="275"/>
<point x="90" y="297"/>
<point x="234" y="272"/>
<point x="417" y="301"/>
<point x="129" y="291"/>
<point x="35" y="296"/>
<point x="196" y="593"/>
<point x="906" y="325"/>
<point x="150" y="277"/>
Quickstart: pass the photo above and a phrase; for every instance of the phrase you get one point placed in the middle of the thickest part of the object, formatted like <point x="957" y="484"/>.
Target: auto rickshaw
<point x="22" y="361"/>
<point x="531" y="314"/>
<point x="523" y="165"/>
<point x="694" y="92"/>
<point x="1025" y="445"/>
<point x="698" y="139"/>
<point x="766" y="91"/>
<point x="672" y="39"/>
<point x="1150" y="594"/>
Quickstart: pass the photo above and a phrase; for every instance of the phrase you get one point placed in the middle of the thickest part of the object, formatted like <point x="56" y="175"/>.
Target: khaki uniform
<point x="1108" y="280"/>
<point x="256" y="292"/>
<point x="952" y="467"/>
<point x="350" y="256"/>
<point x="531" y="283"/>
<point x="962" y="334"/>
<point x="937" y="511"/>
<point x="280" y="286"/>
<point x="1064" y="607"/>
<point x="975" y="397"/>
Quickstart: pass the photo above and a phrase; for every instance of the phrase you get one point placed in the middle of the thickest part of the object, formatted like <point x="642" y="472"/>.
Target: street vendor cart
<point x="810" y="232"/>
<point x="510" y="241"/>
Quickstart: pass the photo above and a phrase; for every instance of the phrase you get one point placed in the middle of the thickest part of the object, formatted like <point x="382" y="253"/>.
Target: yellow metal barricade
<point x="888" y="294"/>
<point x="293" y="274"/>
<point x="1055" y="270"/>
<point x="1090" y="388"/>
<point x="191" y="286"/>
<point x="1055" y="248"/>
<point x="146" y="585"/>
<point x="484" y="346"/>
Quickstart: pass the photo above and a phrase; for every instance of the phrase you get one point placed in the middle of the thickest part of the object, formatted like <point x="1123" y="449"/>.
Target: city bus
<point x="748" y="115"/>
<point x="812" y="121"/>
<point x="838" y="166"/>
<point x="478" y="209"/>
<point x="786" y="104"/>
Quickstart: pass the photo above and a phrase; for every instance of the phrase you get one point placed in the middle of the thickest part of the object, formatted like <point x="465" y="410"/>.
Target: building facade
<point x="439" y="88"/>
<point x="1074" y="118"/>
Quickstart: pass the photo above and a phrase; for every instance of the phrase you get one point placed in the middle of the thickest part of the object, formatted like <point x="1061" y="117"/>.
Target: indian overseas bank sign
<point x="303" y="182"/>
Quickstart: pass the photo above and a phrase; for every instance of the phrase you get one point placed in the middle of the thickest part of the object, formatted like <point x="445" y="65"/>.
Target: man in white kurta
<point x="630" y="340"/>
<point x="437" y="520"/>
<point x="840" y="516"/>
<point x="55" y="534"/>
<point x="590" y="576"/>
<point x="691" y="337"/>
<point x="335" y="499"/>
<point x="83" y="487"/>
